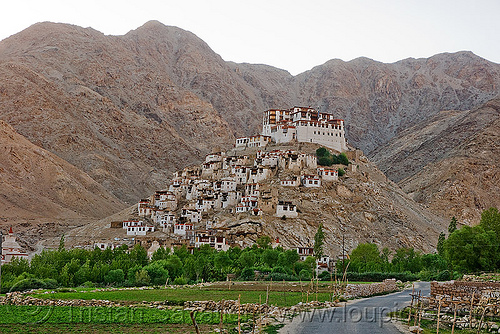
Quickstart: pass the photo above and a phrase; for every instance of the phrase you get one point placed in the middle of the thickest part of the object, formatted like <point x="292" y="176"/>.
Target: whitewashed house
<point x="286" y="209"/>
<point x="183" y="228"/>
<point x="292" y="181"/>
<point x="328" y="174"/>
<point x="311" y="181"/>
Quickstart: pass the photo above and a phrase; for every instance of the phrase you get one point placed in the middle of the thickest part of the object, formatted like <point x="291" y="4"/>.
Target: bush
<point x="379" y="276"/>
<point x="341" y="171"/>
<point x="305" y="275"/>
<point x="179" y="281"/>
<point x="281" y="277"/>
<point x="114" y="277"/>
<point x="247" y="274"/>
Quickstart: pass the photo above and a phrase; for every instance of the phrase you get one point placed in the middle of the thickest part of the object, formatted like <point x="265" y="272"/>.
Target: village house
<point x="252" y="189"/>
<point x="138" y="228"/>
<point x="216" y="242"/>
<point x="240" y="174"/>
<point x="252" y="141"/>
<point x="183" y="228"/>
<point x="258" y="174"/>
<point x="311" y="181"/>
<point x="11" y="249"/>
<point x="304" y="125"/>
<point x="304" y="252"/>
<point x="292" y="181"/>
<point x="105" y="245"/>
<point x="328" y="174"/>
<point x="165" y="219"/>
<point x="286" y="209"/>
<point x="191" y="215"/>
<point x="247" y="203"/>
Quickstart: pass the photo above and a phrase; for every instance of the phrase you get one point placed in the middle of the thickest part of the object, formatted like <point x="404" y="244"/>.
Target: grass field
<point x="280" y="294"/>
<point x="104" y="328"/>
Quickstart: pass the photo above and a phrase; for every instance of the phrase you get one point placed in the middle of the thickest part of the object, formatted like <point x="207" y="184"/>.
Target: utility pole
<point x="1" y="256"/>
<point x="343" y="254"/>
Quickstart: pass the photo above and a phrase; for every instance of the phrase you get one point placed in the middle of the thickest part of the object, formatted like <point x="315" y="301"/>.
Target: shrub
<point x="180" y="281"/>
<point x="114" y="277"/>
<point x="341" y="171"/>
<point x="247" y="274"/>
<point x="305" y="275"/>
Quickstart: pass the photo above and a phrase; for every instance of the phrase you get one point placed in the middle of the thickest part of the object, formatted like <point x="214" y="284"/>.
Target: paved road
<point x="363" y="316"/>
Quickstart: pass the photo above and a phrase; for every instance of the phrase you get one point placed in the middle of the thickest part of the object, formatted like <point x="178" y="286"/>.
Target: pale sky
<point x="288" y="34"/>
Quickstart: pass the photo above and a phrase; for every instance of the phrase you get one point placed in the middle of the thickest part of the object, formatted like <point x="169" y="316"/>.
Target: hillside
<point x="128" y="110"/>
<point x="40" y="187"/>
<point x="362" y="206"/>
<point x="450" y="162"/>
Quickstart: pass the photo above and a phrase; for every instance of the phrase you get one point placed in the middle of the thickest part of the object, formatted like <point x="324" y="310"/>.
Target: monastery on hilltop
<point x="305" y="125"/>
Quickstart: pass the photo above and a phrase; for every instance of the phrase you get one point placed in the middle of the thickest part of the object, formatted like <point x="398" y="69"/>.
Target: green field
<point x="179" y="296"/>
<point x="104" y="328"/>
<point x="280" y="294"/>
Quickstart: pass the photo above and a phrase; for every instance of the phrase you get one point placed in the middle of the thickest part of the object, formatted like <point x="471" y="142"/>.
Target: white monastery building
<point x="304" y="125"/>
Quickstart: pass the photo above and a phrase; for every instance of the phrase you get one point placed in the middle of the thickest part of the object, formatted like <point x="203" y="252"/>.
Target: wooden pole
<point x="417" y="298"/>
<point x="316" y="288"/>
<point x="411" y="305"/>
<point x="482" y="318"/>
<point x="454" y="318"/>
<point x="439" y="311"/>
<point x="267" y="294"/>
<point x="193" y="319"/>
<point x="221" y="316"/>
<point x="284" y="292"/>
<point x="419" y="309"/>
<point x="239" y="314"/>
<point x="471" y="304"/>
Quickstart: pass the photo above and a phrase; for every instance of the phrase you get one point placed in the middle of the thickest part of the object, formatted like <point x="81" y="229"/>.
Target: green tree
<point x="83" y="274"/>
<point x="490" y="220"/>
<point x="341" y="171"/>
<point x="142" y="278"/>
<point x="138" y="255"/>
<point x="247" y="259"/>
<point x="322" y="152"/>
<point x="116" y="276"/>
<point x="264" y="242"/>
<point x="365" y="257"/>
<point x="440" y="243"/>
<point x="61" y="244"/>
<point x="319" y="238"/>
<point x="157" y="273"/>
<point x="452" y="227"/>
<point x="342" y="159"/>
<point x="270" y="257"/>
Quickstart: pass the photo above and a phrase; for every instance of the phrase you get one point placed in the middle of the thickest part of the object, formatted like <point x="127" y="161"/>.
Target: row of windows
<point x="327" y="133"/>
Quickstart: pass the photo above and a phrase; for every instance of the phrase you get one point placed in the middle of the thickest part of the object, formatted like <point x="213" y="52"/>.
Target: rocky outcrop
<point x="129" y="110"/>
<point x="450" y="162"/>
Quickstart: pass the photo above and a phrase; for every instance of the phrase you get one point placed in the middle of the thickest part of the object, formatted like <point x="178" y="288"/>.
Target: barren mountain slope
<point x="37" y="184"/>
<point x="363" y="206"/>
<point x="128" y="110"/>
<point x="96" y="102"/>
<point x="450" y="163"/>
<point x="379" y="100"/>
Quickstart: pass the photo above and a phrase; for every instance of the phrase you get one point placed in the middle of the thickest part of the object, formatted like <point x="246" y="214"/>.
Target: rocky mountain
<point x="362" y="206"/>
<point x="129" y="110"/>
<point x="40" y="187"/>
<point x="450" y="162"/>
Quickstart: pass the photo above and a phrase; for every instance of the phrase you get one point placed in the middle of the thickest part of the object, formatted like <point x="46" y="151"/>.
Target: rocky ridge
<point x="450" y="162"/>
<point x="362" y="206"/>
<point x="129" y="110"/>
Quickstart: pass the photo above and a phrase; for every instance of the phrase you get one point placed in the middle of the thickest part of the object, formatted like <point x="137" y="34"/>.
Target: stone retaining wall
<point x="365" y="290"/>
<point x="462" y="289"/>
